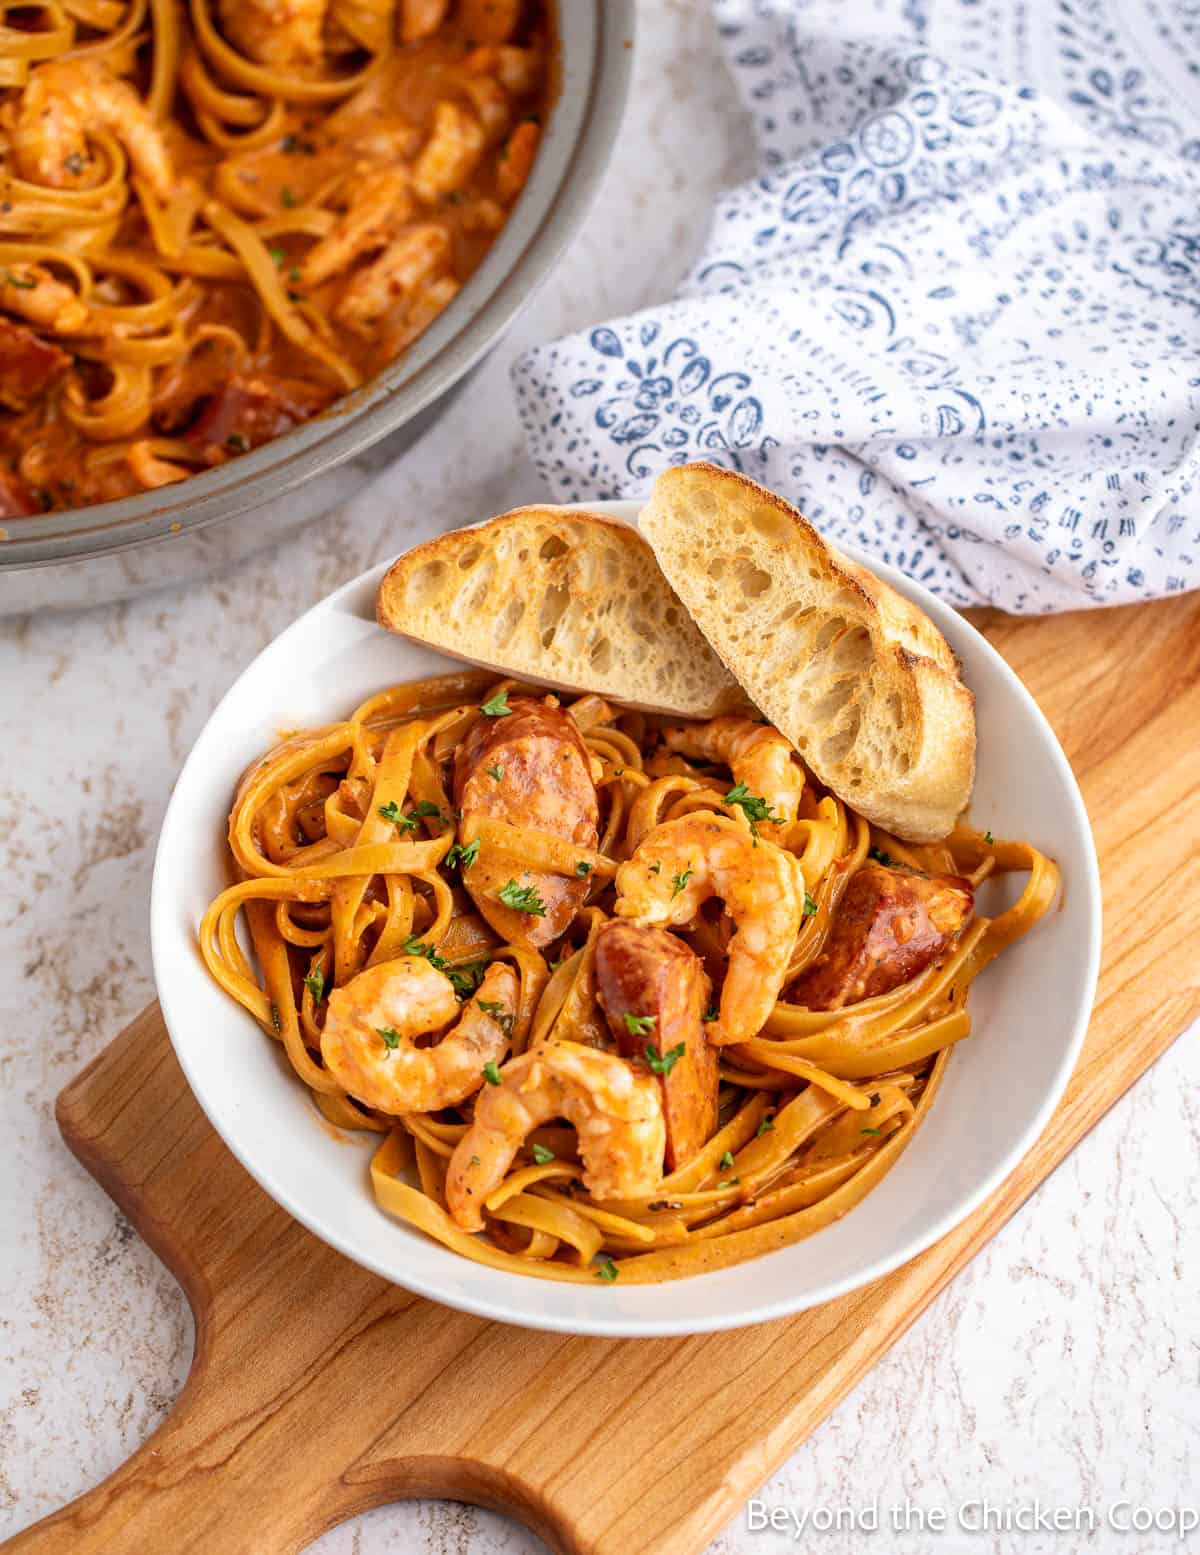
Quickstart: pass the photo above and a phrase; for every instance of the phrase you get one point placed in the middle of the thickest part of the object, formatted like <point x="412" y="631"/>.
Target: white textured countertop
<point x="1062" y="1368"/>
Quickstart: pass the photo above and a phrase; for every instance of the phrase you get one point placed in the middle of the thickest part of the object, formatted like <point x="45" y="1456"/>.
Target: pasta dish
<point x="624" y="997"/>
<point x="218" y="216"/>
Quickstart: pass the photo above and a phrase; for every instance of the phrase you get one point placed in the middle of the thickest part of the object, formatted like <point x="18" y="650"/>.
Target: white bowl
<point x="1029" y="1009"/>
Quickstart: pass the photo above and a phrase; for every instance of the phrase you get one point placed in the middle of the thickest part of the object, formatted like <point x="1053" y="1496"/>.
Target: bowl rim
<point x="162" y="928"/>
<point x="595" y="61"/>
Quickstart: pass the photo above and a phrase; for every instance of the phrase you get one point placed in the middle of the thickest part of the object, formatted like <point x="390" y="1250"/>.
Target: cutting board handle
<point x="316" y="1389"/>
<point x="157" y="1501"/>
<point x="226" y="1476"/>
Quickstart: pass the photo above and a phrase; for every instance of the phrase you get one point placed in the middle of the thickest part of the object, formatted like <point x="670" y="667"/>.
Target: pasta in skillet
<point x="623" y="997"/>
<point x="220" y="215"/>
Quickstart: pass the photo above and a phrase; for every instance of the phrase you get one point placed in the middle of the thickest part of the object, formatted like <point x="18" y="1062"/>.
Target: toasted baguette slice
<point x="573" y="600"/>
<point x="858" y="679"/>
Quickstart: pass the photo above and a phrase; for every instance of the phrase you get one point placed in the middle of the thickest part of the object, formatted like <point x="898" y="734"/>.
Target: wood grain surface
<point x="317" y="1390"/>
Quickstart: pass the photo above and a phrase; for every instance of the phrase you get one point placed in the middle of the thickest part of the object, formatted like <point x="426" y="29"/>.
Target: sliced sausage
<point x="655" y="980"/>
<point x="530" y="768"/>
<point x="890" y="924"/>
<point x="28" y="365"/>
<point x="246" y="411"/>
<point x="16" y="498"/>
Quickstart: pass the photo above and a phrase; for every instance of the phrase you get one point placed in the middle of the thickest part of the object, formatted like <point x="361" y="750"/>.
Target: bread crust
<point x="574" y="601"/>
<point x="857" y="677"/>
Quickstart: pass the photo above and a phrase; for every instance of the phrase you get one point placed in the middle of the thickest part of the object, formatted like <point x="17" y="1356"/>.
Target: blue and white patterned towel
<point x="956" y="318"/>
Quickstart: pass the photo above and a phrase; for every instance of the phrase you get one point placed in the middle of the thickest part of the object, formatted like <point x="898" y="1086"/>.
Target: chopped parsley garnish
<point x="275" y="1021"/>
<point x="726" y="1160"/>
<point x="881" y="857"/>
<point x="583" y="868"/>
<point x="679" y="881"/>
<point x="315" y="983"/>
<point x="502" y="1017"/>
<point x="541" y="1155"/>
<point x="409" y="822"/>
<point x="491" y="1072"/>
<point x="474" y="1160"/>
<point x="497" y="706"/>
<point x="464" y="854"/>
<point x="414" y="947"/>
<point x="639" y="1025"/>
<point x="522" y="898"/>
<point x="753" y="806"/>
<point x="988" y="838"/>
<point x="607" y="1271"/>
<point x="391" y="1037"/>
<point x="278" y="255"/>
<point x="870" y="1131"/>
<point x="810" y="905"/>
<point x="15" y="280"/>
<point x="495" y="773"/>
<point x="656" y="869"/>
<point x="294" y="273"/>
<point x="288" y="199"/>
<point x="732" y="1183"/>
<point x="712" y="1012"/>
<point x="466" y="980"/>
<point x="765" y="1127"/>
<point x="663" y="1063"/>
<point x="237" y="442"/>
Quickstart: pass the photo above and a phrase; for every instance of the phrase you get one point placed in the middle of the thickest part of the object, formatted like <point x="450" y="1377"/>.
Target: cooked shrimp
<point x="450" y="154"/>
<point x="395" y="277"/>
<point x="680" y="865"/>
<point x="420" y="18"/>
<point x="517" y="70"/>
<point x="369" y="1041"/>
<point x="615" y="1107"/>
<point x="31" y="292"/>
<point x="757" y="755"/>
<point x="491" y="105"/>
<point x="67" y="97"/>
<point x="421" y="314"/>
<point x="516" y="160"/>
<point x="489" y="21"/>
<point x="378" y="207"/>
<point x="275" y="32"/>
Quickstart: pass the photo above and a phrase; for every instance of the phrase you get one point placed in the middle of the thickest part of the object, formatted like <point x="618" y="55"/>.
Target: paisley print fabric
<point x="956" y="317"/>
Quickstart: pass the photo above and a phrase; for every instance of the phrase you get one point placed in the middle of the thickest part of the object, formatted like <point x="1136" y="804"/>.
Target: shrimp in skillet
<point x="378" y="206"/>
<point x="68" y="97"/>
<point x="369" y="1041"/>
<point x="682" y="864"/>
<point x="616" y="1110"/>
<point x="33" y="293"/>
<point x="758" y="756"/>
<point x="276" y="32"/>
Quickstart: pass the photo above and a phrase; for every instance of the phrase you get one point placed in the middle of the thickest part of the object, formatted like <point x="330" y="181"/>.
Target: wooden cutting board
<point x="318" y="1391"/>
